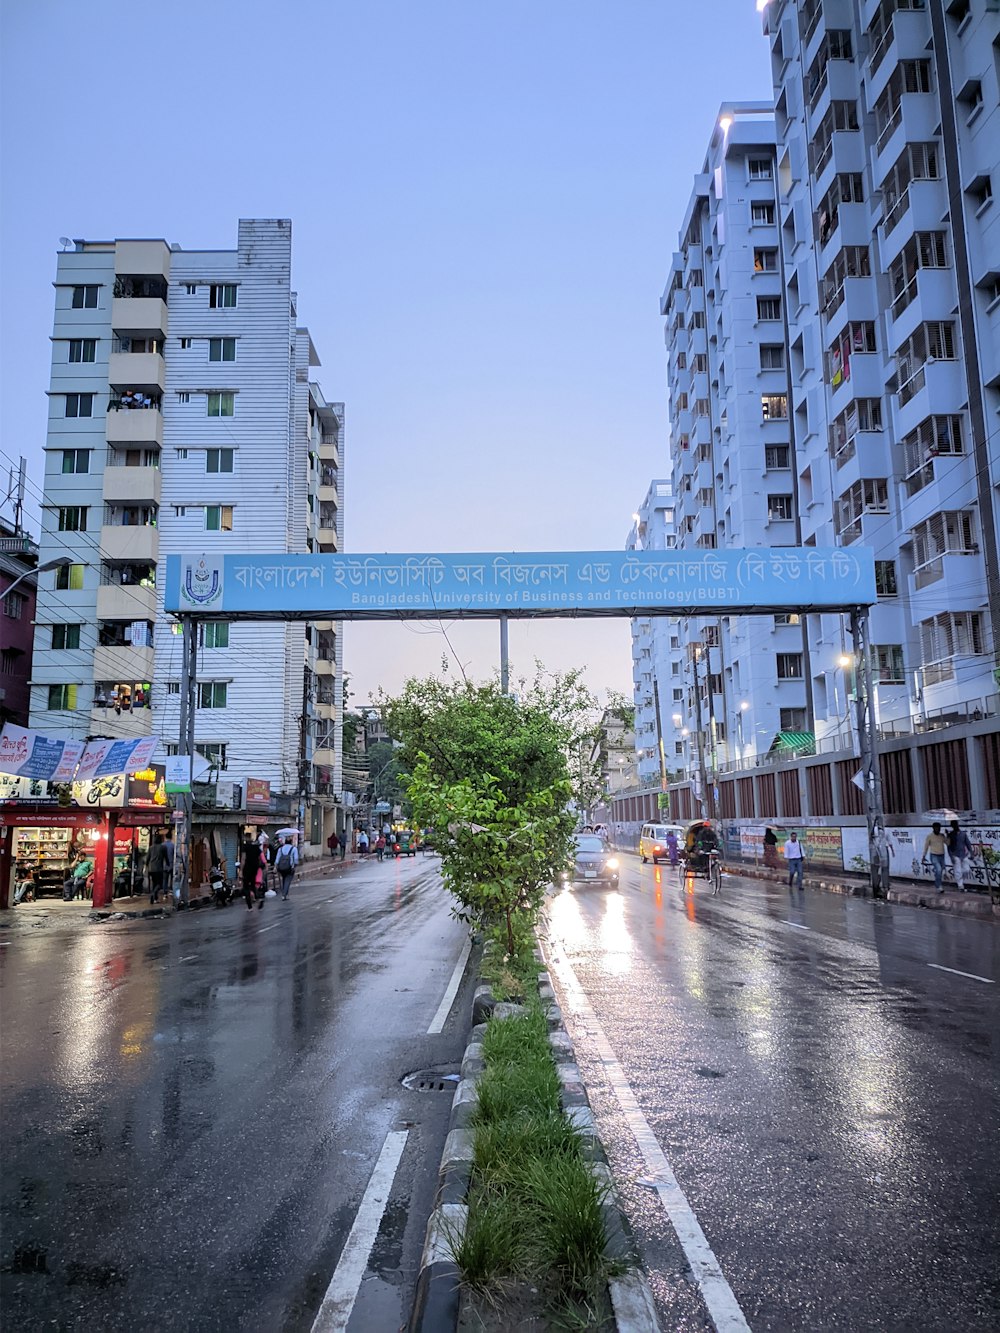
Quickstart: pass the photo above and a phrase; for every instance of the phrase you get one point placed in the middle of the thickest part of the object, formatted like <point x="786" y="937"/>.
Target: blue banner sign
<point x="551" y="583"/>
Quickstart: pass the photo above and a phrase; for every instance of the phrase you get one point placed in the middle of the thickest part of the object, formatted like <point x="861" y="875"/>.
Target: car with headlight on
<point x="592" y="862"/>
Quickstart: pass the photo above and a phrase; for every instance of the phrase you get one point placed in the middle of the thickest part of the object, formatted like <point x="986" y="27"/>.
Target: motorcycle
<point x="223" y="890"/>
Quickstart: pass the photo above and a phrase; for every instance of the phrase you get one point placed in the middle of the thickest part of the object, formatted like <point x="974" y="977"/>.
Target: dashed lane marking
<point x="444" y="1008"/>
<point x="722" y="1305"/>
<point x="342" y="1292"/>
<point x="973" y="976"/>
<point x="274" y="927"/>
<point x="796" y="925"/>
<point x="187" y="958"/>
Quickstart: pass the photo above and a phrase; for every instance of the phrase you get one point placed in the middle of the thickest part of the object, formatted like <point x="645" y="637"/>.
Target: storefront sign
<point x="147" y="788"/>
<point x="258" y="794"/>
<point x="45" y="816"/>
<point x="553" y="583"/>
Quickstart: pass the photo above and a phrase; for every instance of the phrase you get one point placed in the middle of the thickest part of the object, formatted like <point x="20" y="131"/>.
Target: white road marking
<point x="444" y="1008"/>
<point x="723" y="1307"/>
<point x="342" y="1292"/>
<point x="187" y="958"/>
<point x="955" y="972"/>
<point x="796" y="925"/>
<point x="274" y="927"/>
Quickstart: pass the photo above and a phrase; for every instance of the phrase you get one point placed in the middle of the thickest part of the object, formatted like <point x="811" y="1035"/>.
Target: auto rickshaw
<point x="702" y="853"/>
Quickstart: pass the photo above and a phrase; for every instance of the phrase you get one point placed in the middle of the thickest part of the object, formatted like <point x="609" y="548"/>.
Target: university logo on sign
<point x="202" y="584"/>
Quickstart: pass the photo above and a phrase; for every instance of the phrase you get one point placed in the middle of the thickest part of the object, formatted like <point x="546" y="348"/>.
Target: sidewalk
<point x="971" y="903"/>
<point x="55" y="912"/>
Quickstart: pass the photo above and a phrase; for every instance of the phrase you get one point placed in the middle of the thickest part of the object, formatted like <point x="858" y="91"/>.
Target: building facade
<point x="183" y="419"/>
<point x="18" y="558"/>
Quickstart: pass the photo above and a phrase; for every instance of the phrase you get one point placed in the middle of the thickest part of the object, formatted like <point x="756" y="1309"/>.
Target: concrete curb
<point x="438" y="1296"/>
<point x="976" y="905"/>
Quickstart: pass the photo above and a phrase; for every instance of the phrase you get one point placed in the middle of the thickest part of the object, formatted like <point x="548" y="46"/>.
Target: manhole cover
<point x="431" y="1080"/>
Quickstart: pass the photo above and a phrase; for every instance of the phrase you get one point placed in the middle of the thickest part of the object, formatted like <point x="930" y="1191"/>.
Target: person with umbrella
<point x="285" y="862"/>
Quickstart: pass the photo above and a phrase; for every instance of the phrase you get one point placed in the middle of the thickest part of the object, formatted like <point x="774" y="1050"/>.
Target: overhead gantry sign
<point x="488" y="585"/>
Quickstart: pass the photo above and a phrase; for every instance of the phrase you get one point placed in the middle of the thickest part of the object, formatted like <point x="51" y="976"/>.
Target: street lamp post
<point x="59" y="562"/>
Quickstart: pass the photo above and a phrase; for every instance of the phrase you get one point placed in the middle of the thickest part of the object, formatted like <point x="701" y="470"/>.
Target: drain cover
<point x="431" y="1080"/>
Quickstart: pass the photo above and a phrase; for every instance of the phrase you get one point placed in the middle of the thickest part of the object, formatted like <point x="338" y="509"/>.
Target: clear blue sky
<point x="485" y="199"/>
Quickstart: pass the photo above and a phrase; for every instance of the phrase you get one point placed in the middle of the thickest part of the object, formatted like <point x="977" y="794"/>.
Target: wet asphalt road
<point x="828" y="1101"/>
<point x="192" y="1108"/>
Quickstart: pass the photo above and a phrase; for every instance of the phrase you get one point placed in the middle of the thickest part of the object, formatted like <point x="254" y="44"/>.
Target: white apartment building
<point x="183" y="419"/>
<point x="888" y="146"/>
<point x="732" y="450"/>
<point x="657" y="680"/>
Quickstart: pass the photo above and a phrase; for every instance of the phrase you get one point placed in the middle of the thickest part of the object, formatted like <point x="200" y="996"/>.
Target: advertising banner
<point x="906" y="853"/>
<point x="29" y="754"/>
<point x="549" y="583"/>
<point x="258" y="795"/>
<point x="177" y="773"/>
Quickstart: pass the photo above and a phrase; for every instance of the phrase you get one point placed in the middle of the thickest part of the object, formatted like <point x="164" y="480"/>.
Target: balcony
<point x="129" y="723"/>
<point x="329" y="450"/>
<point x="132" y="485"/>
<point x="327" y="538"/>
<point x="949" y="582"/>
<point x="125" y="663"/>
<point x="137" y="370"/>
<point x="934" y="386"/>
<point x="132" y="601"/>
<point x="126" y="542"/>
<point x="905" y="38"/>
<point x="913" y="121"/>
<point x="139" y="314"/>
<point x="134" y="425"/>
<point x="928" y="295"/>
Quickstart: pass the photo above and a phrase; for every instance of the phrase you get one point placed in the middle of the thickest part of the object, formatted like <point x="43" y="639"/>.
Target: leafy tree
<point x="385" y="773"/>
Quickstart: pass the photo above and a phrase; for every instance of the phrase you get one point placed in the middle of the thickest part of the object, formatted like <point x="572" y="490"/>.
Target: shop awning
<point x="802" y="742"/>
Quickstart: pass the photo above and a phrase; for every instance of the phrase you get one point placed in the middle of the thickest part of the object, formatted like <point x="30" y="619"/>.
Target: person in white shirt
<point x="793" y="855"/>
<point x="285" y="861"/>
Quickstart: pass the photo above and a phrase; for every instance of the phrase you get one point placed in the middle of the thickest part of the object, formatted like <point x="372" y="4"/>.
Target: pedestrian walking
<point x="362" y="843"/>
<point x="343" y="845"/>
<point x="960" y="851"/>
<point x="284" y="863"/>
<point x="168" y="869"/>
<point x="380" y="846"/>
<point x="252" y="873"/>
<point x="156" y="866"/>
<point x="935" y="845"/>
<point x="794" y="857"/>
<point x="770" y="848"/>
<point x="333" y="842"/>
<point x="672" y="850"/>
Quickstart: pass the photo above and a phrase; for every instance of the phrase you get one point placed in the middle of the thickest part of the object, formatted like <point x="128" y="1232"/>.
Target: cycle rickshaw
<point x="701" y="855"/>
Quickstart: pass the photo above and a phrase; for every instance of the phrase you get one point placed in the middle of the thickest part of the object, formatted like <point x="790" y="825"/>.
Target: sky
<point x="485" y="199"/>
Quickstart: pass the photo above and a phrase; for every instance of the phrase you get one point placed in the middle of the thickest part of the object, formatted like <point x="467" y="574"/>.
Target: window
<point x="774" y="406"/>
<point x="186" y="344"/>
<point x="970" y="99"/>
<point x="65" y="636"/>
<point x="85" y="298"/>
<point x="762" y="215"/>
<point x="765" y="261"/>
<point x="79" y="404"/>
<point x="792" y="719"/>
<point x="856" y="339"/>
<point x="768" y="307"/>
<point x="776" y="457"/>
<point x="212" y="694"/>
<point x="69" y="578"/>
<point x="217" y="634"/>
<point x="219" y="518"/>
<point x="952" y="532"/>
<point x="864" y="497"/>
<point x="787" y="618"/>
<point x="772" y="356"/>
<point x="221" y="404"/>
<point x="222" y="349"/>
<point x="779" y="507"/>
<point x="759" y="168"/>
<point x="222" y="296"/>
<point x="184" y="397"/>
<point x="980" y="191"/>
<point x="953" y="633"/>
<point x="680" y="361"/>
<point x="888" y="663"/>
<point x="699" y="364"/>
<point x="62" y="698"/>
<point x="73" y="518"/>
<point x="697" y="278"/>
<point x="678" y="696"/>
<point x="219" y="460"/>
<point x="173" y="687"/>
<point x="76" y="460"/>
<point x="190" y="288"/>
<point x="698" y="319"/>
<point x="13" y="605"/>
<point x="82" y="349"/>
<point x="789" y="666"/>
<point x="885" y="579"/>
<point x="214" y="752"/>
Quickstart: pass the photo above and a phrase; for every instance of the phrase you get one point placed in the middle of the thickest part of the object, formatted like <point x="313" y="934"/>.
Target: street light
<point x="739" y="723"/>
<point x="59" y="562"/>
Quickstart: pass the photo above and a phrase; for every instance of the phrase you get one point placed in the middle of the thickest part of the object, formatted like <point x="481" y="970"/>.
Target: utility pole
<point x="504" y="656"/>
<point x="304" y="757"/>
<point x="707" y="795"/>
<point x="185" y="746"/>
<point x="878" y="852"/>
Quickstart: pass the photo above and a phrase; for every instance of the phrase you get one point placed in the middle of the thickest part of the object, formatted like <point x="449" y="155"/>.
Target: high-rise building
<point x="183" y="419"/>
<point x="657" y="682"/>
<point x="18" y="558"/>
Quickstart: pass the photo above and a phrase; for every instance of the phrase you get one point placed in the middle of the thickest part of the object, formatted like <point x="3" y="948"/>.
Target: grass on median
<point x="535" y="1220"/>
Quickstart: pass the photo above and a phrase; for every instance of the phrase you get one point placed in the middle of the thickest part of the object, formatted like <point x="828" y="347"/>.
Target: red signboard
<point x="258" y="794"/>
